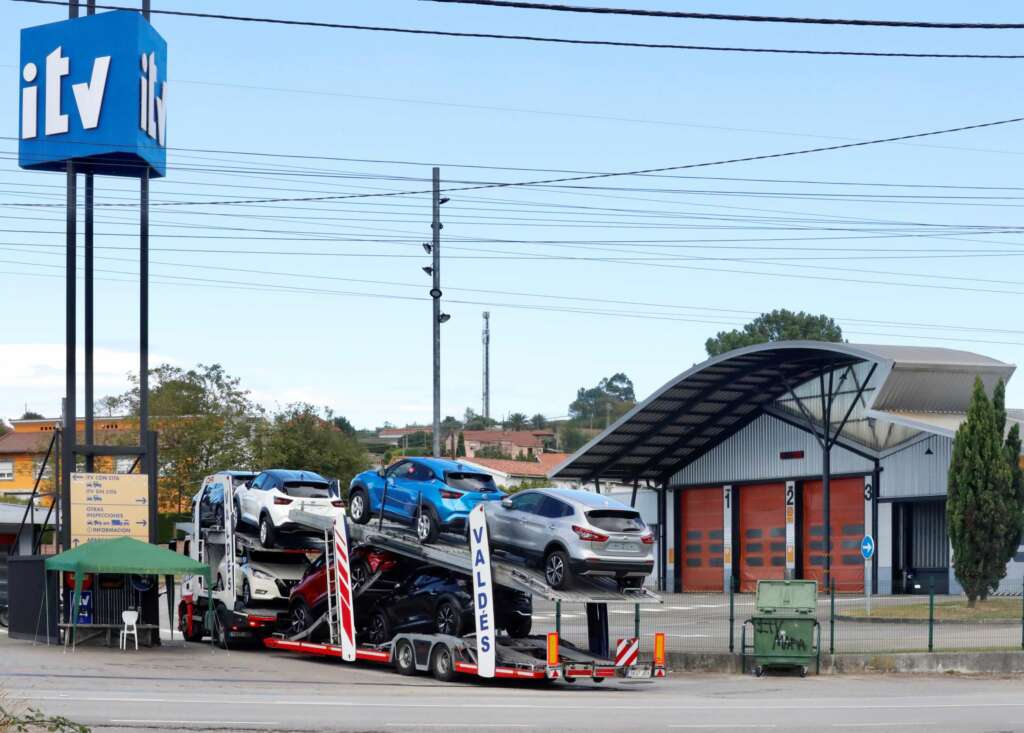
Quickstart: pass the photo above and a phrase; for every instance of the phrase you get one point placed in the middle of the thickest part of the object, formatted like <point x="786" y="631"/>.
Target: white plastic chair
<point x="130" y="619"/>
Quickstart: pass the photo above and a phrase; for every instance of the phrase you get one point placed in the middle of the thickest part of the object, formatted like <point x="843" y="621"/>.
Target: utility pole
<point x="435" y="294"/>
<point x="487" y="364"/>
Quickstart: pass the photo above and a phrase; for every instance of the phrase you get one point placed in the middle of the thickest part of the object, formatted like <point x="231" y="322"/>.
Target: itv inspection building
<point x="738" y="450"/>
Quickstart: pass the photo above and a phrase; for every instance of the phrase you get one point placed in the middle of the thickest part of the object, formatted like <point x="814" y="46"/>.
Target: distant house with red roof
<point x="515" y="443"/>
<point x="511" y="473"/>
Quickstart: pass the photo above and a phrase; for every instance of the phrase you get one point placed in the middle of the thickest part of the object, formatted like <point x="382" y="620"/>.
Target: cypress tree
<point x="981" y="498"/>
<point x="1011" y="450"/>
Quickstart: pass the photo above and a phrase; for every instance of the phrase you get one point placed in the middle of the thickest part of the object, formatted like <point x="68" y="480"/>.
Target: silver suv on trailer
<point x="569" y="532"/>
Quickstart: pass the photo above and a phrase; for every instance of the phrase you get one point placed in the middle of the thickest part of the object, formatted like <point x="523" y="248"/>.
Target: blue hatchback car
<point x="431" y="494"/>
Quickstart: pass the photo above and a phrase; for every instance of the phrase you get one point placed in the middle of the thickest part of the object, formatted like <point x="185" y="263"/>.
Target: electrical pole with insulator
<point x="487" y="365"/>
<point x="434" y="270"/>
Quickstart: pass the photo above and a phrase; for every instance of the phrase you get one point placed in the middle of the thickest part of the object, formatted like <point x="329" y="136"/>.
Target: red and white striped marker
<point x="626" y="652"/>
<point x="343" y="589"/>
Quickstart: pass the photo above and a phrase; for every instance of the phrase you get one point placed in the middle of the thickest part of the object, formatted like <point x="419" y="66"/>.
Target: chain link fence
<point x="850" y="623"/>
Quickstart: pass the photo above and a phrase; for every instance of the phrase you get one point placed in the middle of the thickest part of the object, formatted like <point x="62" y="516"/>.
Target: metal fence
<point x="850" y="623"/>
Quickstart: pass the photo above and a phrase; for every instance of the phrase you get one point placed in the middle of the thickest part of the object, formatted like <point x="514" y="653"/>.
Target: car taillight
<point x="589" y="535"/>
<point x="449" y="494"/>
<point x="280" y="500"/>
<point x="338" y="503"/>
<point x="647" y="539"/>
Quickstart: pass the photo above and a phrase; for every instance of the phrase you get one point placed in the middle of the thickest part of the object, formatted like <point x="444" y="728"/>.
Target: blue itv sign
<point x="94" y="91"/>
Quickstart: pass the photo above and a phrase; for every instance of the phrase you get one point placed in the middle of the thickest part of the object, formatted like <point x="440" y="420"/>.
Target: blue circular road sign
<point x="867" y="547"/>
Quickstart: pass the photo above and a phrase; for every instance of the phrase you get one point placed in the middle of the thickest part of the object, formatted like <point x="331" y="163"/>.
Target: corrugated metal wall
<point x="753" y="455"/>
<point x="911" y="472"/>
<point x="930" y="544"/>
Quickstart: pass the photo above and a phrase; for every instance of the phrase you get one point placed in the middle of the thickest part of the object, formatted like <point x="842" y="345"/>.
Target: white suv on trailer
<point x="266" y="501"/>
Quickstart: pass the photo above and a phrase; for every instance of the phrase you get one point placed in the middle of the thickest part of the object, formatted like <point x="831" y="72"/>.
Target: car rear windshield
<point x="307" y="489"/>
<point x="616" y="520"/>
<point x="470" y="481"/>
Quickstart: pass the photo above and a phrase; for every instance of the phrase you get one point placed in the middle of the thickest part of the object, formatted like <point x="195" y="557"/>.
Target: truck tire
<point x="519" y="627"/>
<point x="220" y="632"/>
<point x="359" y="506"/>
<point x="427" y="526"/>
<point x="448" y="619"/>
<point x="442" y="665"/>
<point x="267" y="532"/>
<point x="405" y="657"/>
<point x="557" y="572"/>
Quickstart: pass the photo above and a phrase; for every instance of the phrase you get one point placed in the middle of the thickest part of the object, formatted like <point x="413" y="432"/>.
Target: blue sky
<point x="389" y="97"/>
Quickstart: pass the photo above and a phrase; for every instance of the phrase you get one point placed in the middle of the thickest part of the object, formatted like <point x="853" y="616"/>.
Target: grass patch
<point x="994" y="609"/>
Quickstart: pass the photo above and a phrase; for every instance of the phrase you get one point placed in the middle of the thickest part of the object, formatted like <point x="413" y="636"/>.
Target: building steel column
<point x="662" y="537"/>
<point x="70" y="346"/>
<point x="90" y="461"/>
<point x="876" y="477"/>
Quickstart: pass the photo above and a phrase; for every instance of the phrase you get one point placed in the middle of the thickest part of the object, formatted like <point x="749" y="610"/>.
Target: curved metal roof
<point x="711" y="401"/>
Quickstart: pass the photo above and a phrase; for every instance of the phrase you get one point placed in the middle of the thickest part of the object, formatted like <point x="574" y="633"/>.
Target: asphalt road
<point x="190" y="687"/>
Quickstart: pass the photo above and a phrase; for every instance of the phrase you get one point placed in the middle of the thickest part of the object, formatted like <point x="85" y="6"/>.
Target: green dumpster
<point x="784" y="628"/>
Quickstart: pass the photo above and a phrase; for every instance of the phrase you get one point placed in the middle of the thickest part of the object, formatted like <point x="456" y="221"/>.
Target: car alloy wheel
<point x="246" y="593"/>
<point x="300" y="616"/>
<point x="236" y="517"/>
<point x="423" y="526"/>
<point x="447" y="622"/>
<point x="357" y="507"/>
<point x="554" y="570"/>
<point x="378" y="629"/>
<point x="360" y="572"/>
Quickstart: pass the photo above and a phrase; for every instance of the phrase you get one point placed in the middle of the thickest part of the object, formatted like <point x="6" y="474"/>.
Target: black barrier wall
<point x="33" y="613"/>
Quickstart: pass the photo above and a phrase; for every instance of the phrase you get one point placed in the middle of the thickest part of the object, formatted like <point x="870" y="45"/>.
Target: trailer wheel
<point x="405" y="657"/>
<point x="441" y="663"/>
<point x="359" y="506"/>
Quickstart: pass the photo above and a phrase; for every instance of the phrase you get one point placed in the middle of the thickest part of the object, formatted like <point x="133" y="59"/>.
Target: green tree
<point x="981" y="506"/>
<point x="29" y="415"/>
<point x="300" y="437"/>
<point x="460" y="451"/>
<point x="476" y="421"/>
<point x="609" y="400"/>
<point x="4" y="428"/>
<point x="571" y="438"/>
<point x="539" y="422"/>
<point x="341" y="423"/>
<point x="205" y="422"/>
<point x="450" y="428"/>
<point x="1011" y="450"/>
<point x="516" y="421"/>
<point x="779" y="325"/>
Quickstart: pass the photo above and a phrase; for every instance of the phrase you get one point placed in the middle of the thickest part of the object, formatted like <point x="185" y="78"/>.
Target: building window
<point x="6" y="470"/>
<point x="123" y="464"/>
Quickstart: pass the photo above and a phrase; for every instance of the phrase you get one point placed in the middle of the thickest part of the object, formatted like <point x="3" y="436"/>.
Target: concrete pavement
<point x="189" y="687"/>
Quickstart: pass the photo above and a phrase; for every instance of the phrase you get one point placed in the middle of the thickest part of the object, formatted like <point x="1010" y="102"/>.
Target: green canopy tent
<point x="125" y="556"/>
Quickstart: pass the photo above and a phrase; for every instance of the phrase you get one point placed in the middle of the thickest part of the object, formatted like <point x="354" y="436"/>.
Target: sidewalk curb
<point x="998" y="663"/>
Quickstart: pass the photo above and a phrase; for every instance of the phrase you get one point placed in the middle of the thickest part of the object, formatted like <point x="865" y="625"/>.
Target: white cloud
<point x="33" y="374"/>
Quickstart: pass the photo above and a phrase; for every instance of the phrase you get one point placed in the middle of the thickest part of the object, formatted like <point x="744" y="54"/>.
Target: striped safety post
<point x="627" y="652"/>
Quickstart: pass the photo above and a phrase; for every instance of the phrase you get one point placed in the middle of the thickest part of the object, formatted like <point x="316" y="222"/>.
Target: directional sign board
<point x="109" y="505"/>
<point x="867" y="547"/>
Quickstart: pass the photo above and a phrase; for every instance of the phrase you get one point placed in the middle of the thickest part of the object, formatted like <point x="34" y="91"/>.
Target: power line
<point x="518" y="4"/>
<point x="548" y="39"/>
<point x="593" y="176"/>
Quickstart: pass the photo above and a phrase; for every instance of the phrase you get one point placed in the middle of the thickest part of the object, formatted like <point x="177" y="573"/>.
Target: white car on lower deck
<point x="262" y="576"/>
<point x="266" y="501"/>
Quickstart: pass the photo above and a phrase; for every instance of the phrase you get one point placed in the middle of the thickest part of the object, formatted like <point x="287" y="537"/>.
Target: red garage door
<point x="762" y="538"/>
<point x="847" y="522"/>
<point x="702" y="539"/>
